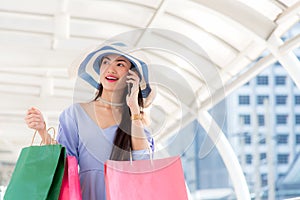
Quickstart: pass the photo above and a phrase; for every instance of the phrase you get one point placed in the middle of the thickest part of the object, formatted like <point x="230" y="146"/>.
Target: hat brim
<point x="89" y="68"/>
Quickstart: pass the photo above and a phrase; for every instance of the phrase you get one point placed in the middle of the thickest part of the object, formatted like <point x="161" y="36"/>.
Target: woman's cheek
<point x="122" y="81"/>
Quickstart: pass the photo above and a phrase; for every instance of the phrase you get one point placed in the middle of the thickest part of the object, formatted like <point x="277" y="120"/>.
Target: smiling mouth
<point x="111" y="78"/>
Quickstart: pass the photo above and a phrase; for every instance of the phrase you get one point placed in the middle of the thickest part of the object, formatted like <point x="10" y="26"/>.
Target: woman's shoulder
<point x="75" y="110"/>
<point x="72" y="110"/>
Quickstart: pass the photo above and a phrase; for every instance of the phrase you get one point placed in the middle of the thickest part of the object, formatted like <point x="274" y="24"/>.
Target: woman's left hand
<point x="132" y="98"/>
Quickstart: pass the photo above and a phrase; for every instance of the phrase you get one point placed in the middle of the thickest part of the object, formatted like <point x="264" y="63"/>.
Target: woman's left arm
<point x="138" y="137"/>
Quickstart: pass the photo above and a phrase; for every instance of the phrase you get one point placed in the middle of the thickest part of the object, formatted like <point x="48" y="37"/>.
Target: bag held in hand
<point x="38" y="173"/>
<point x="70" y="188"/>
<point x="145" y="179"/>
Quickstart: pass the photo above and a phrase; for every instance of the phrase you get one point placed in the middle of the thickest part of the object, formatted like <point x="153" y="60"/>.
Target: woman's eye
<point x="105" y="62"/>
<point x="120" y="65"/>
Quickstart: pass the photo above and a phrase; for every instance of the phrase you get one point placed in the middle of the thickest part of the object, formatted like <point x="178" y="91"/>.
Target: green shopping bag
<point x="38" y="173"/>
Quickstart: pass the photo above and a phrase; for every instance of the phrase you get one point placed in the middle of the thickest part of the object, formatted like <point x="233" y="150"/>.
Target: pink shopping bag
<point x="70" y="188"/>
<point x="161" y="179"/>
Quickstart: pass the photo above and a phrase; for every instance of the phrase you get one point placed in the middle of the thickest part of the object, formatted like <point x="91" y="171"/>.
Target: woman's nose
<point x="112" y="68"/>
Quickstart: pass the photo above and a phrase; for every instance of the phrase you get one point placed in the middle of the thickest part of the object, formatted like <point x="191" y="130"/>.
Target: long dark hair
<point x="122" y="141"/>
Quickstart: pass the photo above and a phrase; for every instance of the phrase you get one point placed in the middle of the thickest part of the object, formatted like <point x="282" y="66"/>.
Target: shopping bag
<point x="70" y="188"/>
<point x="161" y="179"/>
<point x="38" y="173"/>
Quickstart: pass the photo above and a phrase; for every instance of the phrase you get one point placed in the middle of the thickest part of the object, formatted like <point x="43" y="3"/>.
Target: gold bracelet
<point x="136" y="117"/>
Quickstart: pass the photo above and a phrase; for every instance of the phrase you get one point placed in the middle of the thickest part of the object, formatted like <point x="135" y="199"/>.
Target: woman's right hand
<point x="35" y="120"/>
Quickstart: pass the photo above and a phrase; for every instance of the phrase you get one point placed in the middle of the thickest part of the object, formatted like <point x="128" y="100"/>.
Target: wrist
<point x="42" y="129"/>
<point x="135" y="110"/>
<point x="135" y="117"/>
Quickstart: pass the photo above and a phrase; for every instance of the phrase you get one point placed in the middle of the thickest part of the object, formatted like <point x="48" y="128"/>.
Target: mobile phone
<point x="129" y="85"/>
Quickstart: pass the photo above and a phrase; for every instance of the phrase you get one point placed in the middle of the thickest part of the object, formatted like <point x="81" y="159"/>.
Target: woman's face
<point x="113" y="71"/>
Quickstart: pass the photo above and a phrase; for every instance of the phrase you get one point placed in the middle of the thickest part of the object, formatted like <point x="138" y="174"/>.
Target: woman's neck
<point x="113" y="98"/>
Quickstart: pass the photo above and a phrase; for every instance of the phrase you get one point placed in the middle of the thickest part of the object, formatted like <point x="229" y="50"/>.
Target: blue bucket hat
<point x="89" y="69"/>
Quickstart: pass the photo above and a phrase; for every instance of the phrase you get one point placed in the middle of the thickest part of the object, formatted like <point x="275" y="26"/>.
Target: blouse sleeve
<point x="144" y="153"/>
<point x="68" y="133"/>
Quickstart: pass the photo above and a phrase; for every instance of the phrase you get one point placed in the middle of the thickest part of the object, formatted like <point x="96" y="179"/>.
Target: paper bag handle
<point x="150" y="153"/>
<point x="52" y="139"/>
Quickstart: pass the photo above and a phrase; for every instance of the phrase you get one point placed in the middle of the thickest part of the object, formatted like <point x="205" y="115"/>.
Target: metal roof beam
<point x="161" y="8"/>
<point x="225" y="150"/>
<point x="287" y="58"/>
<point x="291" y="65"/>
<point x="254" y="22"/>
<point x="227" y="154"/>
<point x="288" y="13"/>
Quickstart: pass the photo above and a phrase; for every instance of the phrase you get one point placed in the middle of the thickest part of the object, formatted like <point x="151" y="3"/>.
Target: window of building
<point x="282" y="158"/>
<point x="249" y="159"/>
<point x="277" y="64"/>
<point x="244" y="100"/>
<point x="263" y="156"/>
<point x="246" y="119"/>
<point x="246" y="84"/>
<point x="281" y="176"/>
<point x="297" y="138"/>
<point x="247" y="138"/>
<point x="262" y="80"/>
<point x="280" y="80"/>
<point x="260" y="99"/>
<point x="297" y="119"/>
<point x="281" y="99"/>
<point x="262" y="141"/>
<point x="297" y="99"/>
<point x="261" y="120"/>
<point x="282" y="138"/>
<point x="264" y="179"/>
<point x="281" y="119"/>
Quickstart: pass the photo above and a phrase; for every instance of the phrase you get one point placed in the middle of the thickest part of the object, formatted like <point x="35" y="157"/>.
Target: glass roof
<point x="39" y="41"/>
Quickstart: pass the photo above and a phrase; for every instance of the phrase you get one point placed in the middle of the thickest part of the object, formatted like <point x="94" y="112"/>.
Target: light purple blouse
<point x="92" y="146"/>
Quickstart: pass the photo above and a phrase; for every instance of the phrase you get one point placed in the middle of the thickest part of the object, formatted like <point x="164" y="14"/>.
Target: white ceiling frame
<point x="258" y="26"/>
<point x="254" y="70"/>
<point x="233" y="77"/>
<point x="39" y="8"/>
<point x="172" y="63"/>
<point x="20" y="57"/>
<point x="279" y="4"/>
<point x="161" y="8"/>
<point x="227" y="154"/>
<point x="218" y="95"/>
<point x="61" y="23"/>
<point x="47" y="103"/>
<point x="215" y="37"/>
<point x="173" y="126"/>
<point x="225" y="150"/>
<point x="187" y="119"/>
<point x="287" y="58"/>
<point x="211" y="35"/>
<point x="288" y="13"/>
<point x="287" y="19"/>
<point x="290" y="44"/>
<point x="149" y="4"/>
<point x="238" y="82"/>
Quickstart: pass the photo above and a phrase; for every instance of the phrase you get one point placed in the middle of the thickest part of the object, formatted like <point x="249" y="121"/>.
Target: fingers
<point x="133" y="75"/>
<point x="133" y="78"/>
<point x="133" y="72"/>
<point x="33" y="110"/>
<point x="34" y="119"/>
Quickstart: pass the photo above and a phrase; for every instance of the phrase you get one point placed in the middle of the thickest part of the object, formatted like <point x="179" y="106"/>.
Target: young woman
<point x="109" y="127"/>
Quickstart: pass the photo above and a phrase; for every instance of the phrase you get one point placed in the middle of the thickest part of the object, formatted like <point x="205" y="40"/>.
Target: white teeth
<point x="111" y="78"/>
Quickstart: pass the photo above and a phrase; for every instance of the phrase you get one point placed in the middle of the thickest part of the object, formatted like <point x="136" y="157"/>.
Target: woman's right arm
<point x="35" y="120"/>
